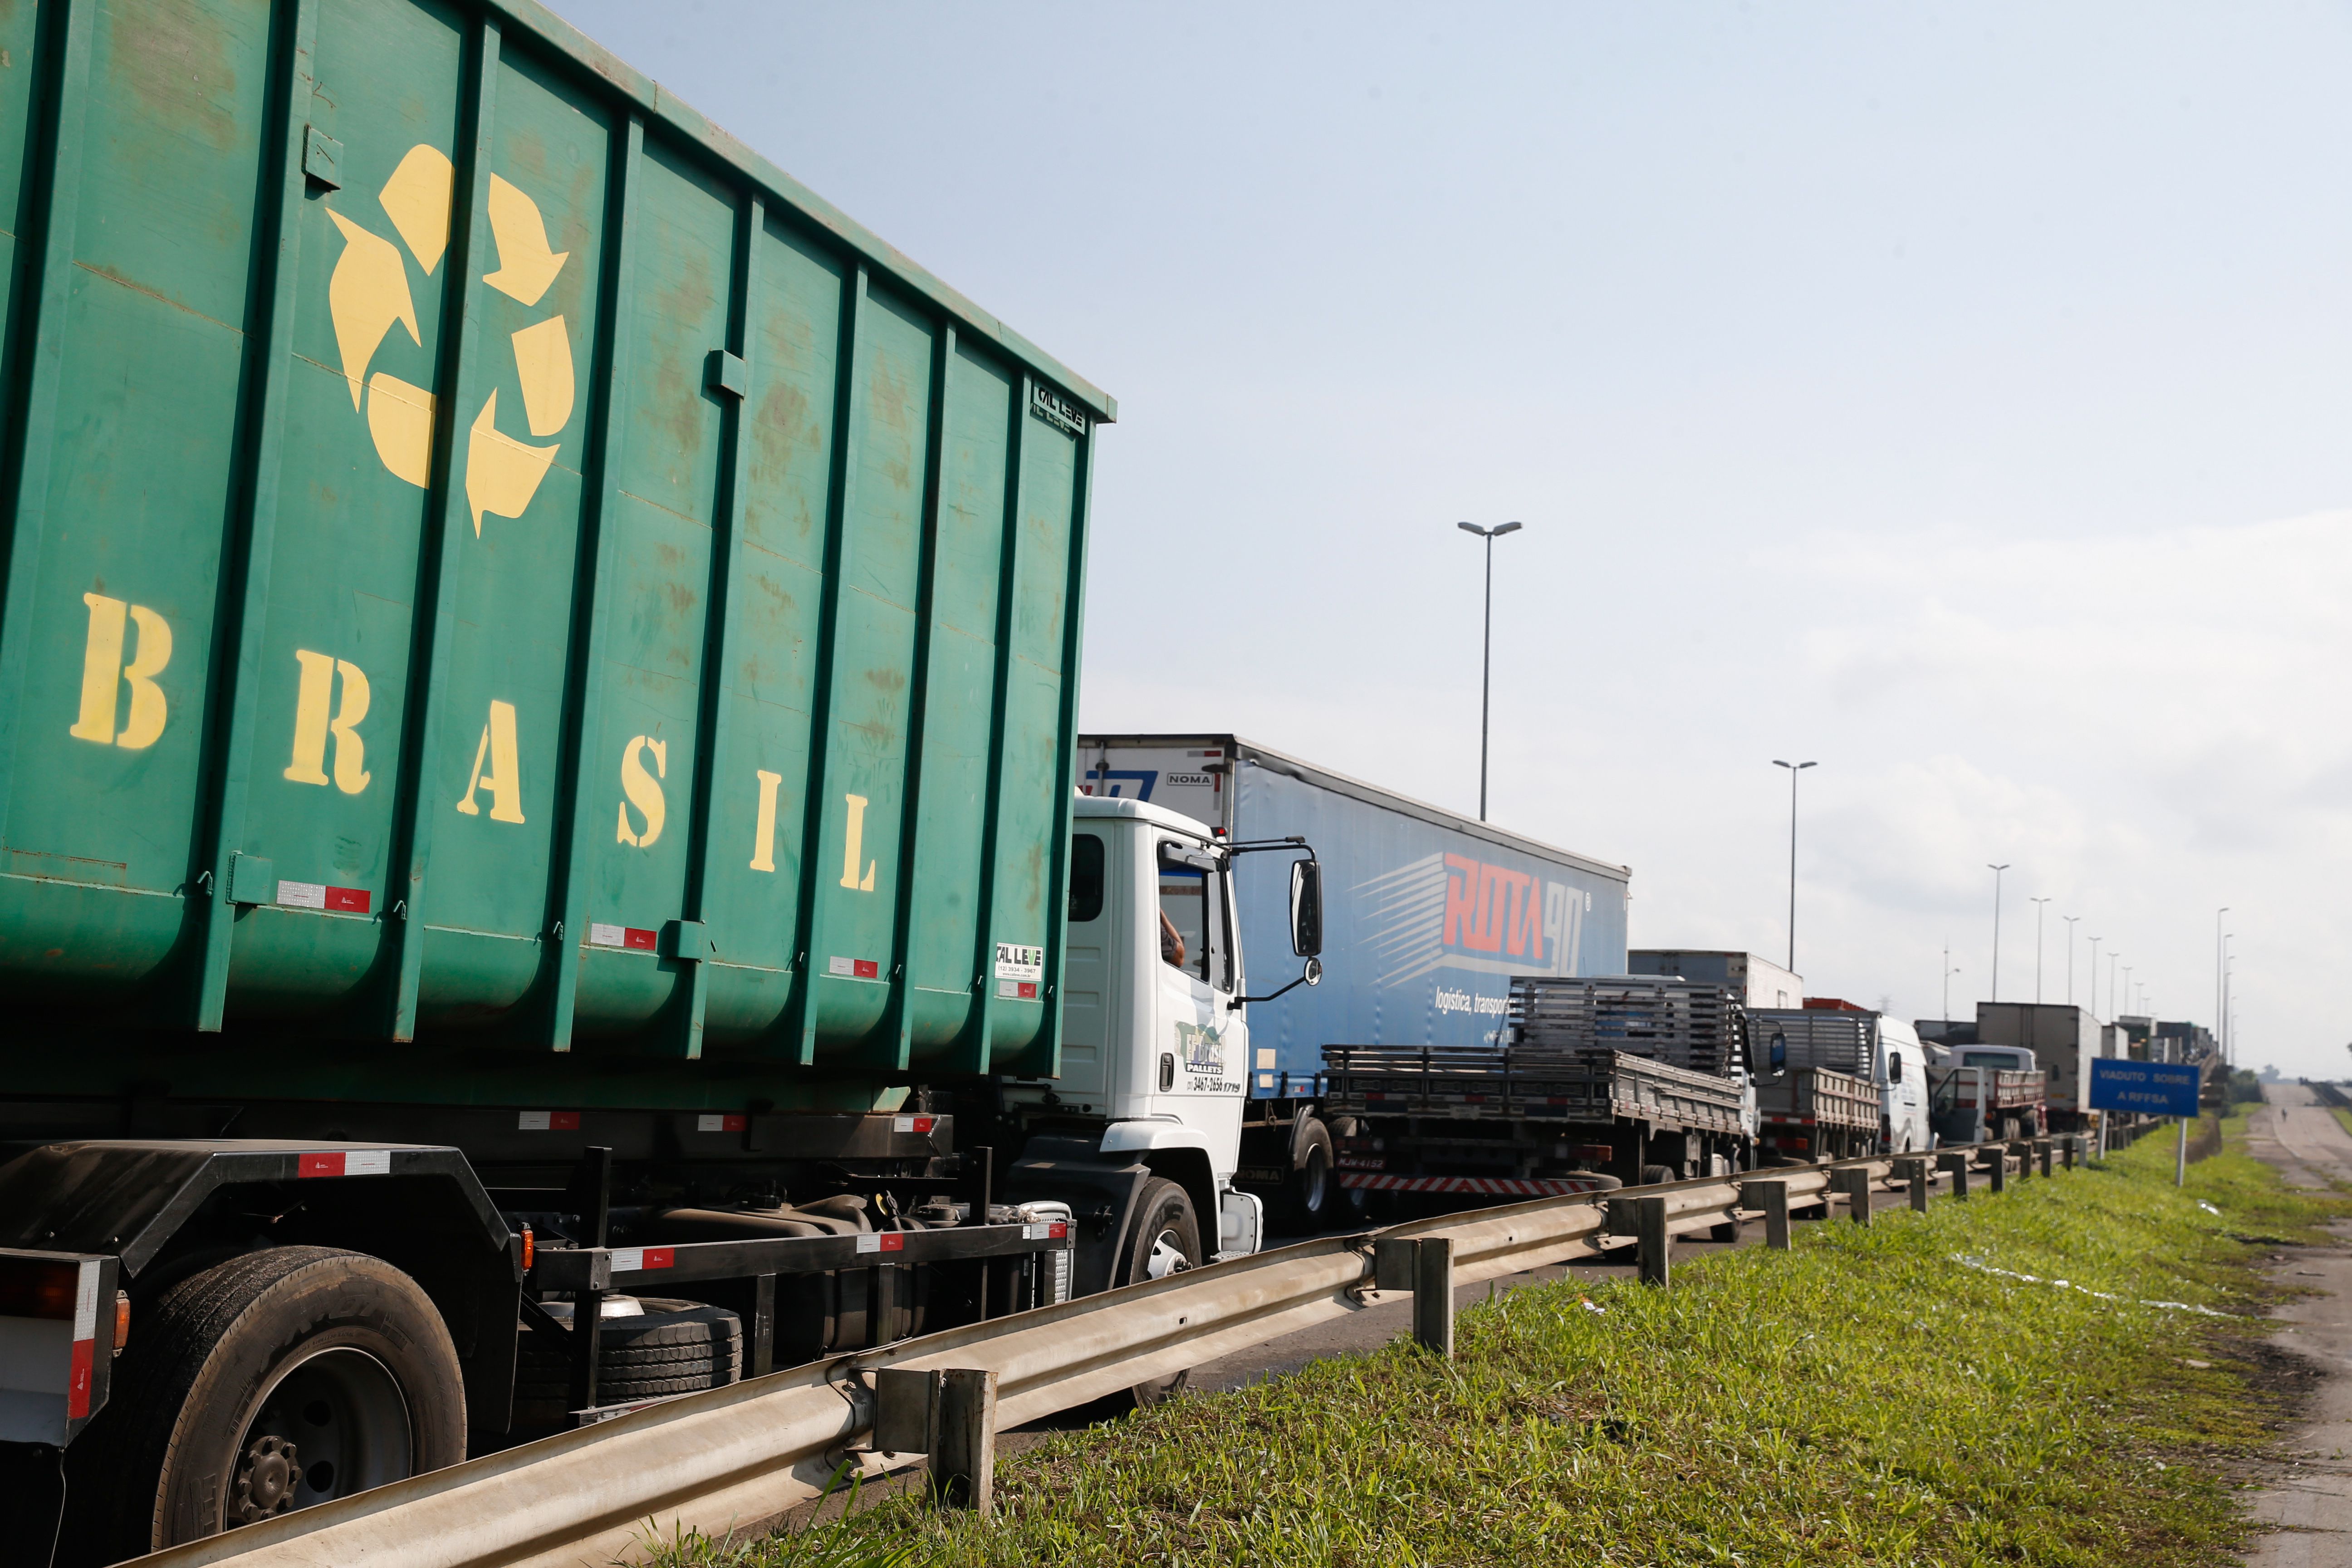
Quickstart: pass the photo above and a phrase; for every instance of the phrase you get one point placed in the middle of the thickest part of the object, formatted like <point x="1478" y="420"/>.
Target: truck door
<point x="1203" y="1044"/>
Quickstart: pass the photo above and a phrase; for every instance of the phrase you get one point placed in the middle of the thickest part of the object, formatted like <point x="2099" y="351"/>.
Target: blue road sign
<point x="2150" y="1089"/>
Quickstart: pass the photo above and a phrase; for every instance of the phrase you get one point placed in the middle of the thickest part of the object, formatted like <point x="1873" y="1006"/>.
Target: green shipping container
<point x="496" y="568"/>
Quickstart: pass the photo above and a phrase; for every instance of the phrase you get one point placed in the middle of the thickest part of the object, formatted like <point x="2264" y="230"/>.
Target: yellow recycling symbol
<point x="369" y="292"/>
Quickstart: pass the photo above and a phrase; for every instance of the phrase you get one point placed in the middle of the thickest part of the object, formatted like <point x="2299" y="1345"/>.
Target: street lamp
<point x="1951" y="968"/>
<point x="2113" y="961"/>
<point x="1487" y="654"/>
<point x="1794" y="769"/>
<point x="2129" y="999"/>
<point x="2220" y="1004"/>
<point x="2094" y="977"/>
<point x="2228" y="977"/>
<point x="2070" y="921"/>
<point x="1996" y="871"/>
<point x="2038" y="912"/>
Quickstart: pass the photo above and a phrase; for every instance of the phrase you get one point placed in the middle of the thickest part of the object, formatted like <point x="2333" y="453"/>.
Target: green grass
<point x="1866" y="1397"/>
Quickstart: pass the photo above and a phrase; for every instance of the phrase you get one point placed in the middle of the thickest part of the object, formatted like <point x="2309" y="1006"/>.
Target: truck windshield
<point x="1990" y="1059"/>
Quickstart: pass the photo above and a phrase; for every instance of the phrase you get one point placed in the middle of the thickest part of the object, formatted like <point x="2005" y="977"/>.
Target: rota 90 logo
<point x="369" y="293"/>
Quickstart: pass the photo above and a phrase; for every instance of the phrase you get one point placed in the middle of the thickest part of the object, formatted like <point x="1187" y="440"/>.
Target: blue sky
<point x="1955" y="395"/>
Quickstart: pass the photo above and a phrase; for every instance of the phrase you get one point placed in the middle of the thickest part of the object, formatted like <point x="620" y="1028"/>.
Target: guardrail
<point x="736" y="1456"/>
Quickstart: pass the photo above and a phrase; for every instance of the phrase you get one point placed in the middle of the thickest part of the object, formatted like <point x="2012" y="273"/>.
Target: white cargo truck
<point x="1877" y="1048"/>
<point x="2063" y="1041"/>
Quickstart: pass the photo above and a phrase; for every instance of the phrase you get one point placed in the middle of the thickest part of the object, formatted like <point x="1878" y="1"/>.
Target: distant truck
<point x="1988" y="1092"/>
<point x="1881" y="1050"/>
<point x="1757" y="982"/>
<point x="2063" y="1040"/>
<point x="1597" y="1082"/>
<point x="1428" y="916"/>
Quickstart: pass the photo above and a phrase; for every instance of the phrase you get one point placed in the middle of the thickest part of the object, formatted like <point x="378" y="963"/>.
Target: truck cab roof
<point x="1142" y="810"/>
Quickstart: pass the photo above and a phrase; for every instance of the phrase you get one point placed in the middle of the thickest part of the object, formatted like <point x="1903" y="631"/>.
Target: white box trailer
<point x="1759" y="981"/>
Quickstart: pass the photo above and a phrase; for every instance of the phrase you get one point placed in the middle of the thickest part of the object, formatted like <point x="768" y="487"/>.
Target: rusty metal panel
<point x="492" y="562"/>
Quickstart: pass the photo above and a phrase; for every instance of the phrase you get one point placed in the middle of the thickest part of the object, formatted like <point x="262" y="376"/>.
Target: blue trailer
<point x="1427" y="915"/>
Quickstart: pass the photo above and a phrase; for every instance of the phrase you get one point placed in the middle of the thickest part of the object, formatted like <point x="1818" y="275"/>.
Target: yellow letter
<point x="643" y="793"/>
<point x="856" y="840"/>
<point x="311" y="696"/>
<point x="764" y="833"/>
<point x="147" y="708"/>
<point x="101" y="669"/>
<point x="504" y="781"/>
<point x="351" y="751"/>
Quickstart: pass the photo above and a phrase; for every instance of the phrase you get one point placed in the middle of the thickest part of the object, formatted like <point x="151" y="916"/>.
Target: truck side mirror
<point x="1778" y="1053"/>
<point x="1894" y="1067"/>
<point x="1306" y="909"/>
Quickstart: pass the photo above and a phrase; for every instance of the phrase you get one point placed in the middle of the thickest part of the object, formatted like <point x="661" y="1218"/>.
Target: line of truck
<point x="546" y="856"/>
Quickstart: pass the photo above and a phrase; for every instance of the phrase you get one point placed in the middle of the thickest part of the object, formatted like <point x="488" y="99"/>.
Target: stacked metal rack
<point x="1688" y="1023"/>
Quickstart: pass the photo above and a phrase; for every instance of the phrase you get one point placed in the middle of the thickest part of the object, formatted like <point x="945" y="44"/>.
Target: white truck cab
<point x="2008" y="1058"/>
<point x="1903" y="1086"/>
<point x="1155" y="1025"/>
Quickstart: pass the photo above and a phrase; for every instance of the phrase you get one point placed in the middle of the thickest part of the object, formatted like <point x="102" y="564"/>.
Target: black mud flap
<point x="32" y="1502"/>
<point x="1100" y="1189"/>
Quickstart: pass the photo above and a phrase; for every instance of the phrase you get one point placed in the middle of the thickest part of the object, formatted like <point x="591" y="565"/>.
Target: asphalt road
<point x="2311" y="1503"/>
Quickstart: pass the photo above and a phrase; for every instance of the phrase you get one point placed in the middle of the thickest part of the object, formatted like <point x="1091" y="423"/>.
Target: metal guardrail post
<point x="1771" y="1196"/>
<point x="906" y="1406"/>
<point x="1433" y="1295"/>
<point x="2023" y="1149"/>
<point x="1919" y="1178"/>
<point x="963" y="1462"/>
<point x="947" y="1414"/>
<point x="1958" y="1164"/>
<point x="1652" y="1241"/>
<point x="2041" y="1151"/>
<point x="1997" y="1173"/>
<point x="1855" y="1184"/>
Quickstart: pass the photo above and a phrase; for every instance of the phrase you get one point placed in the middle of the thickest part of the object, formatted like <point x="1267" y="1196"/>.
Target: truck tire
<point x="1653" y="1174"/>
<point x="1313" y="1195"/>
<point x="1167" y="1240"/>
<point x="275" y="1380"/>
<point x="676" y="1347"/>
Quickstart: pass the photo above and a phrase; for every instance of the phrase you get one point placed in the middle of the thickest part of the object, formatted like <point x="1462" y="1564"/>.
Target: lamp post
<point x="1996" y="871"/>
<point x="2038" y="912"/>
<point x="2221" y="987"/>
<point x="2229" y="975"/>
<point x="1951" y="968"/>
<point x="2094" y="977"/>
<point x="2128" y="1000"/>
<point x="2070" y="921"/>
<point x="1794" y="769"/>
<point x="2114" y="960"/>
<point x="1486" y="649"/>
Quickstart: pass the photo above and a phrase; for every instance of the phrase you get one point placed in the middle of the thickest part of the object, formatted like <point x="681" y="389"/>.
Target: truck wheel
<point x="1314" y="1192"/>
<point x="265" y="1383"/>
<point x="1653" y="1174"/>
<point x="674" y="1347"/>
<point x="1167" y="1241"/>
